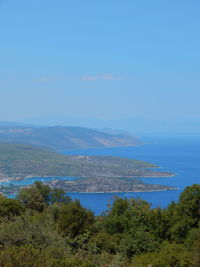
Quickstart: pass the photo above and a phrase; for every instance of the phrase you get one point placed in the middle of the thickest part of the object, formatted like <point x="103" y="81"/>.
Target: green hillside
<point x="17" y="160"/>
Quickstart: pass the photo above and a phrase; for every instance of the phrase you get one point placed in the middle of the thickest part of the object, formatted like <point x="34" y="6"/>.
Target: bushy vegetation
<point x="44" y="227"/>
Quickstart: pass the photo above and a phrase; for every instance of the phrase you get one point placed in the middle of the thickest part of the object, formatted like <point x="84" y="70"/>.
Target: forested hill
<point x="64" y="137"/>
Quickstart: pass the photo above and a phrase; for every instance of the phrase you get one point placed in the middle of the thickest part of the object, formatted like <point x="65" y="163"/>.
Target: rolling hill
<point x="64" y="137"/>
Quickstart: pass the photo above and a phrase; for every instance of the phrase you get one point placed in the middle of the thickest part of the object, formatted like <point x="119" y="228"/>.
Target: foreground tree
<point x="10" y="207"/>
<point x="73" y="219"/>
<point x="39" y="196"/>
<point x="184" y="215"/>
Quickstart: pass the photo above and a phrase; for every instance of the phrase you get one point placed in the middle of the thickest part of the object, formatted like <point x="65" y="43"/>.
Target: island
<point x="106" y="185"/>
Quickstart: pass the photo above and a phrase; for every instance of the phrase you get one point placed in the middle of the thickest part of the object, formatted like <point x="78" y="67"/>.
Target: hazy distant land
<point x="64" y="137"/>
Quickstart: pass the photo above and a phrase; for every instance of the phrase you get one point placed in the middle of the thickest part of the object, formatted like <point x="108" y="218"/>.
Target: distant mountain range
<point x="134" y="125"/>
<point x="63" y="137"/>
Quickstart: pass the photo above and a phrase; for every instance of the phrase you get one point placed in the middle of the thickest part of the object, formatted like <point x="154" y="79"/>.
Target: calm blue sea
<point x="177" y="154"/>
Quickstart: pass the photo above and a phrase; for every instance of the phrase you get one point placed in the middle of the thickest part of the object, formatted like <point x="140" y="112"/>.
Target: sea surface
<point x="176" y="154"/>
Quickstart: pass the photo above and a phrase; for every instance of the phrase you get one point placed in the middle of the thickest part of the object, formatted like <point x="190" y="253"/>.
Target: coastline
<point x="158" y="176"/>
<point x="13" y="179"/>
<point x="125" y="192"/>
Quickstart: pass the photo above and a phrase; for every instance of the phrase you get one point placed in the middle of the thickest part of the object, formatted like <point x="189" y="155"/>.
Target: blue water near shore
<point x="29" y="181"/>
<point x="176" y="154"/>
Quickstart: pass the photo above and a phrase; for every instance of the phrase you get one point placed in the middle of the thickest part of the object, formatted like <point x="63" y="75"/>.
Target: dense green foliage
<point x="43" y="227"/>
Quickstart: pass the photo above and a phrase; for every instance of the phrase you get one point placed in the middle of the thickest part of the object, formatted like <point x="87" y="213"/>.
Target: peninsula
<point x="94" y="173"/>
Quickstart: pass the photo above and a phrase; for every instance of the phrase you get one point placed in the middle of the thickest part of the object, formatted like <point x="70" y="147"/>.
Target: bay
<point x="176" y="154"/>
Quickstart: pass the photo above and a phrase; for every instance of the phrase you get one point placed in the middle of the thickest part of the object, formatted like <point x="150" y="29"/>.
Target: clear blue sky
<point x="100" y="58"/>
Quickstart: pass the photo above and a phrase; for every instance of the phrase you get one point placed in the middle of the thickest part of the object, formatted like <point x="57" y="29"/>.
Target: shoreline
<point x="11" y="179"/>
<point x="119" y="192"/>
<point x="124" y="192"/>
<point x="155" y="176"/>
